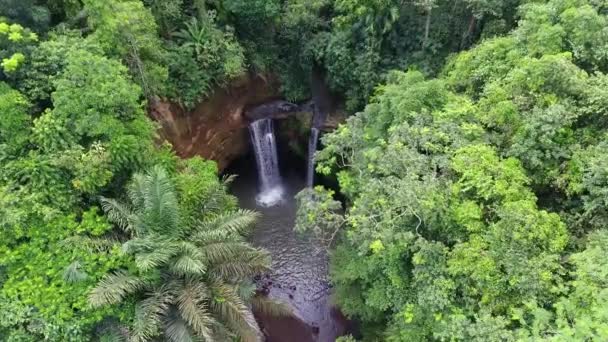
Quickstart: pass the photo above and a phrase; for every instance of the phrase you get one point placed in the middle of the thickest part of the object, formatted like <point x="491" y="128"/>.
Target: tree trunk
<point x="427" y="27"/>
<point x="201" y="8"/>
<point x="469" y="31"/>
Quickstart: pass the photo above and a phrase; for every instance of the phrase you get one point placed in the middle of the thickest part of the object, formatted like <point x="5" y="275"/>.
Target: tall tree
<point x="127" y="30"/>
<point x="189" y="274"/>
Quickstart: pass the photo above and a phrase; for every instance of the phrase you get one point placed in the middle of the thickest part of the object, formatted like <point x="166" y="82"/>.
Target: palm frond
<point x="149" y="252"/>
<point x="187" y="247"/>
<point x="227" y="304"/>
<point x="90" y="244"/>
<point x="220" y="252"/>
<point x="247" y="289"/>
<point x="74" y="273"/>
<point x="185" y="265"/>
<point x="160" y="202"/>
<point x="203" y="238"/>
<point x="177" y="330"/>
<point x="112" y="331"/>
<point x="136" y="191"/>
<point x="237" y="222"/>
<point x="118" y="213"/>
<point x="215" y="199"/>
<point x="112" y="336"/>
<point x="243" y="267"/>
<point x="270" y="307"/>
<point x="228" y="179"/>
<point x="114" y="287"/>
<point x="149" y="314"/>
<point x="191" y="303"/>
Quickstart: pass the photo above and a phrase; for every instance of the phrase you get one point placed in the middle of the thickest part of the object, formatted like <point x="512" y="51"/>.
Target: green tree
<point x="47" y="63"/>
<point x="45" y="281"/>
<point x="203" y="58"/>
<point x="15" y="125"/>
<point x="127" y="30"/>
<point x="108" y="110"/>
<point x="189" y="275"/>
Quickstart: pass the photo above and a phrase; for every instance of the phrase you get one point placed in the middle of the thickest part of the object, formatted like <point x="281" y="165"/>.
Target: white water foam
<point x="270" y="197"/>
<point x="264" y="146"/>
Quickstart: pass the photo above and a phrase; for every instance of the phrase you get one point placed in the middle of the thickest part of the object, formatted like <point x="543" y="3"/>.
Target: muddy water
<point x="299" y="274"/>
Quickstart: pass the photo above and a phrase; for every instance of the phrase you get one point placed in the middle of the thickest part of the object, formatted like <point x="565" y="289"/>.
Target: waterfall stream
<point x="265" y="148"/>
<point x="312" y="148"/>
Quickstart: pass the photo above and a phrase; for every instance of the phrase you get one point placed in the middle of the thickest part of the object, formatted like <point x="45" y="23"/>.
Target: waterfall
<point x="320" y="108"/>
<point x="312" y="148"/>
<point x="265" y="148"/>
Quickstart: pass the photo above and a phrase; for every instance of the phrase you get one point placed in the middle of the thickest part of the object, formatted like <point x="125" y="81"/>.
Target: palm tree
<point x="190" y="282"/>
<point x="197" y="35"/>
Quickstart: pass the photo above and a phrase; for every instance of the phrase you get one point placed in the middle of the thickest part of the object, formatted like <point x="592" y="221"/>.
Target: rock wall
<point x="216" y="129"/>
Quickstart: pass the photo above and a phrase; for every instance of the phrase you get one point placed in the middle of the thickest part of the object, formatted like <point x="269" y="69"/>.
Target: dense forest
<point x="464" y="196"/>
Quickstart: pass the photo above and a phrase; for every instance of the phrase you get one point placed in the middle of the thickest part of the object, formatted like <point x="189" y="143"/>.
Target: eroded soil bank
<point x="216" y="129"/>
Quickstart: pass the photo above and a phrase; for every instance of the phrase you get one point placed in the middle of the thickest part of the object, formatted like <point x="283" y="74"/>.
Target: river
<point x="299" y="275"/>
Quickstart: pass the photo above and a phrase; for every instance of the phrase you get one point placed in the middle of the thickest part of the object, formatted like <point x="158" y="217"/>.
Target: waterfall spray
<point x="264" y="145"/>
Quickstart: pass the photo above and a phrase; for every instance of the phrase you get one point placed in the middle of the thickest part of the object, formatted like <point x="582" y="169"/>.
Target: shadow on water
<point x="299" y="275"/>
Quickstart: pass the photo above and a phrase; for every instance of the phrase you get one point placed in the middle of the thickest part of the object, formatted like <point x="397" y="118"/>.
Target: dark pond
<point x="299" y="274"/>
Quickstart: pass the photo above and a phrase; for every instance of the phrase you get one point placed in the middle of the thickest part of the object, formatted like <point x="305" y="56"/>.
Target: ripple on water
<point x="299" y="274"/>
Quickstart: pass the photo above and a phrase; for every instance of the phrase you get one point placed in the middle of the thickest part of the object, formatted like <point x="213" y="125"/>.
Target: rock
<point x="215" y="129"/>
<point x="273" y="109"/>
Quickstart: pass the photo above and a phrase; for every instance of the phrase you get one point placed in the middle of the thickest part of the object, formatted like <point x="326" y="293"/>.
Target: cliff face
<point x="217" y="128"/>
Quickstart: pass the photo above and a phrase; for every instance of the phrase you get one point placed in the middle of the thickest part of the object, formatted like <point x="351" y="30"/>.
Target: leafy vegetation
<point x="74" y="85"/>
<point x="474" y="206"/>
<point x="472" y="180"/>
<point x="190" y="273"/>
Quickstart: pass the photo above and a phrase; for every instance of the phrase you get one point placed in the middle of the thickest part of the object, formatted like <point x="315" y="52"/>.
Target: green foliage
<point x="582" y="315"/>
<point x="38" y="301"/>
<point x="319" y="214"/>
<point x="108" y="110"/>
<point x="11" y="64"/>
<point x="469" y="195"/>
<point x="203" y="58"/>
<point x="46" y="64"/>
<point x="475" y="202"/>
<point x="15" y="42"/>
<point x="168" y="14"/>
<point x="255" y="22"/>
<point x="367" y="39"/>
<point x="14" y="126"/>
<point x="73" y="128"/>
<point x="188" y="269"/>
<point x="110" y="94"/>
<point x="199" y="192"/>
<point x="29" y="13"/>
<point x="127" y="30"/>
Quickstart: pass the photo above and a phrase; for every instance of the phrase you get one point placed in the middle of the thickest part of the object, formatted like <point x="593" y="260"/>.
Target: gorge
<point x="151" y="150"/>
<point x="269" y="144"/>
